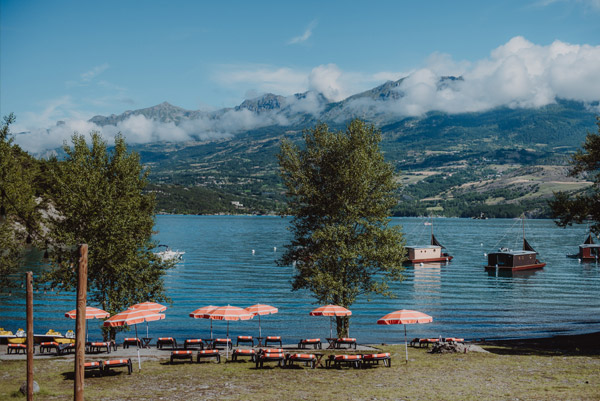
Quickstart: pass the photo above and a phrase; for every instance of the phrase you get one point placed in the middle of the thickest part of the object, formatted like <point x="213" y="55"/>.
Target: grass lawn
<point x="505" y="373"/>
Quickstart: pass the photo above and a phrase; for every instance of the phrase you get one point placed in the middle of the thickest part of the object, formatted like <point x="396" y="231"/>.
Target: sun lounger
<point x="273" y="339"/>
<point x="244" y="339"/>
<point x="349" y="360"/>
<point x="209" y="353"/>
<point x="238" y="352"/>
<point x="96" y="365"/>
<point x="315" y="342"/>
<point x="97" y="346"/>
<point x="308" y="359"/>
<point x="222" y="342"/>
<point x="163" y="341"/>
<point x="345" y="341"/>
<point x="17" y="349"/>
<point x="132" y="341"/>
<point x="182" y="355"/>
<point x="118" y="363"/>
<point x="49" y="346"/>
<point x="193" y="342"/>
<point x="67" y="348"/>
<point x="453" y="340"/>
<point x="278" y="357"/>
<point x="373" y="359"/>
<point x="425" y="342"/>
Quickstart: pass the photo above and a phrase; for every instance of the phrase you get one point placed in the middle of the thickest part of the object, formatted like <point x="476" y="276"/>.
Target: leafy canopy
<point x="340" y="192"/>
<point x="99" y="195"/>
<point x="583" y="206"/>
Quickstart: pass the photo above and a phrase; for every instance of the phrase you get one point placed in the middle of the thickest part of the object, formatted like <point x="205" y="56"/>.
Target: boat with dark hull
<point x="588" y="251"/>
<point x="509" y="260"/>
<point x="427" y="253"/>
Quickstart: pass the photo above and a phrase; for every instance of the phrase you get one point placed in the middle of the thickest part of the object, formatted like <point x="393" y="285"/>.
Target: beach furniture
<point x="17" y="349"/>
<point x="131" y="341"/>
<point x="239" y="352"/>
<point x="345" y="341"/>
<point x="348" y="360"/>
<point x="273" y="339"/>
<point x="404" y="317"/>
<point x="164" y="341"/>
<point x="425" y="342"/>
<point x="373" y="359"/>
<point x="208" y="353"/>
<point x="96" y="365"/>
<point x="182" y="355"/>
<point x="261" y="310"/>
<point x="222" y="342"/>
<point x="97" y="346"/>
<point x="118" y="363"/>
<point x="454" y="340"/>
<point x="49" y="346"/>
<point x="193" y="343"/>
<point x="263" y="357"/>
<point x="244" y="339"/>
<point x="315" y="342"/>
<point x="307" y="359"/>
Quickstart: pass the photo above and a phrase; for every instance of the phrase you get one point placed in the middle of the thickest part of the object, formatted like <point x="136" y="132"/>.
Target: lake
<point x="231" y="260"/>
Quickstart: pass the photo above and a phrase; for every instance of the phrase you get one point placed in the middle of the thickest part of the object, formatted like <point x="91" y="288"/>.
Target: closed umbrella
<point x="331" y="310"/>
<point x="90" y="313"/>
<point x="405" y="317"/>
<point x="260" y="309"/>
<point x="203" y="313"/>
<point x="149" y="306"/>
<point x="133" y="317"/>
<point x="229" y="313"/>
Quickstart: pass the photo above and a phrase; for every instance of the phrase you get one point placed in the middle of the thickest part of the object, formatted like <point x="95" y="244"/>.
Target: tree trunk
<point x="342" y="326"/>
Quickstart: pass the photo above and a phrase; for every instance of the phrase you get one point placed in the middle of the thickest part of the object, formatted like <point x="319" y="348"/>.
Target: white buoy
<point x="253" y="252"/>
<point x="274" y="249"/>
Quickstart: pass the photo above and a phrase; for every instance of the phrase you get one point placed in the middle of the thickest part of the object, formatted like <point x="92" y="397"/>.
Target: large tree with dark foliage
<point x="569" y="209"/>
<point x="340" y="193"/>
<point x="100" y="200"/>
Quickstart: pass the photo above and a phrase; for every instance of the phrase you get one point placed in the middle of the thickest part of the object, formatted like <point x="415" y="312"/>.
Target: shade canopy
<point x="405" y="316"/>
<point x="203" y="313"/>
<point x="331" y="310"/>
<point x="230" y="313"/>
<point x="261" y="309"/>
<point x="133" y="316"/>
<point x="150" y="306"/>
<point x="90" y="313"/>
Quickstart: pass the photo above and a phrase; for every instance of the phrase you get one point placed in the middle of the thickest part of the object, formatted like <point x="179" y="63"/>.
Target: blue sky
<point x="71" y="60"/>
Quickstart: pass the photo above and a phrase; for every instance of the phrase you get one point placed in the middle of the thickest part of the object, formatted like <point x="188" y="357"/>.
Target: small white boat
<point x="168" y="254"/>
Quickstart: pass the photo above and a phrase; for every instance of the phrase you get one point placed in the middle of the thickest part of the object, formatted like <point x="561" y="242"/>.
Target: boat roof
<point x="423" y="246"/>
<point x="589" y="246"/>
<point x="510" y="252"/>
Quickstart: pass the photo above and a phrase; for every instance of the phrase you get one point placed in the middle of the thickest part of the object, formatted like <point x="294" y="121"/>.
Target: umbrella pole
<point x="330" y="329"/>
<point x="405" y="343"/>
<point x="211" y="336"/>
<point x="138" y="350"/>
<point x="227" y="343"/>
<point x="147" y="336"/>
<point x="259" y="332"/>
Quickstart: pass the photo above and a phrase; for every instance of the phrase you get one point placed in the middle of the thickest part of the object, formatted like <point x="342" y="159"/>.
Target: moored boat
<point x="588" y="251"/>
<point x="507" y="259"/>
<point x="427" y="253"/>
<point x="168" y="254"/>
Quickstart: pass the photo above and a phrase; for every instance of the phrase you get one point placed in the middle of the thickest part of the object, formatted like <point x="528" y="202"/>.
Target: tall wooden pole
<point x="29" y="280"/>
<point x="80" y="322"/>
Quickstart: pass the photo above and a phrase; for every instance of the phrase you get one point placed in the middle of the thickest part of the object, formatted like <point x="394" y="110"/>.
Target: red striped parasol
<point x="230" y="313"/>
<point x="90" y="313"/>
<point x="331" y="310"/>
<point x="149" y="306"/>
<point x="203" y="313"/>
<point x="261" y="309"/>
<point x="405" y="317"/>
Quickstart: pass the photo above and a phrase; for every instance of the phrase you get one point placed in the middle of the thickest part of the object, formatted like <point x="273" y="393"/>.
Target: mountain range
<point x="232" y="151"/>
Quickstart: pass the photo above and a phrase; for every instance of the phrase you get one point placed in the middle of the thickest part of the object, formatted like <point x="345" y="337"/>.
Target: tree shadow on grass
<point x="570" y="345"/>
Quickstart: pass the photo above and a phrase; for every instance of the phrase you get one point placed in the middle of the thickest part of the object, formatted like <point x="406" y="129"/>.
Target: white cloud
<point x="94" y="72"/>
<point x="305" y="36"/>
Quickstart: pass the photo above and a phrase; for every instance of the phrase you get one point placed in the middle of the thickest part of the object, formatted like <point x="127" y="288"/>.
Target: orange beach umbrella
<point x="90" y="313"/>
<point x="405" y="317"/>
<point x="261" y="309"/>
<point x="133" y="317"/>
<point x="203" y="313"/>
<point x="230" y="313"/>
<point x="331" y="310"/>
<point x="149" y="306"/>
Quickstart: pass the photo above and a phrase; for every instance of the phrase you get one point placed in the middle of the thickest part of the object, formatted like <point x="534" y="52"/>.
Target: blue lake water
<point x="465" y="300"/>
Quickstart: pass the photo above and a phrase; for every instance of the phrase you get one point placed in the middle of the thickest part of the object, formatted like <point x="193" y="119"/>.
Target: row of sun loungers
<point x="426" y="342"/>
<point x="105" y="366"/>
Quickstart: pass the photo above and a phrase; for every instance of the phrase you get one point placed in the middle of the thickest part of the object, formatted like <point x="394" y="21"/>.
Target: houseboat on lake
<point x="588" y="251"/>
<point x="427" y="253"/>
<point x="507" y="259"/>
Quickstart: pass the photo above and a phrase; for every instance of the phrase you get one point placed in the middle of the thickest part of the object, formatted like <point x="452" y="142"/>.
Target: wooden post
<point x="80" y="322"/>
<point x="30" y="344"/>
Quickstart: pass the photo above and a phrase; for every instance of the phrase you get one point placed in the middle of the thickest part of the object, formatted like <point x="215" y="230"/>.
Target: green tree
<point x="100" y="199"/>
<point x="583" y="206"/>
<point x="340" y="192"/>
<point x="19" y="210"/>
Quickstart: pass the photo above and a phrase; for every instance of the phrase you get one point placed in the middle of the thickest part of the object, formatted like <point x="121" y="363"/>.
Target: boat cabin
<point x="589" y="251"/>
<point x="426" y="253"/>
<point x="514" y="260"/>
